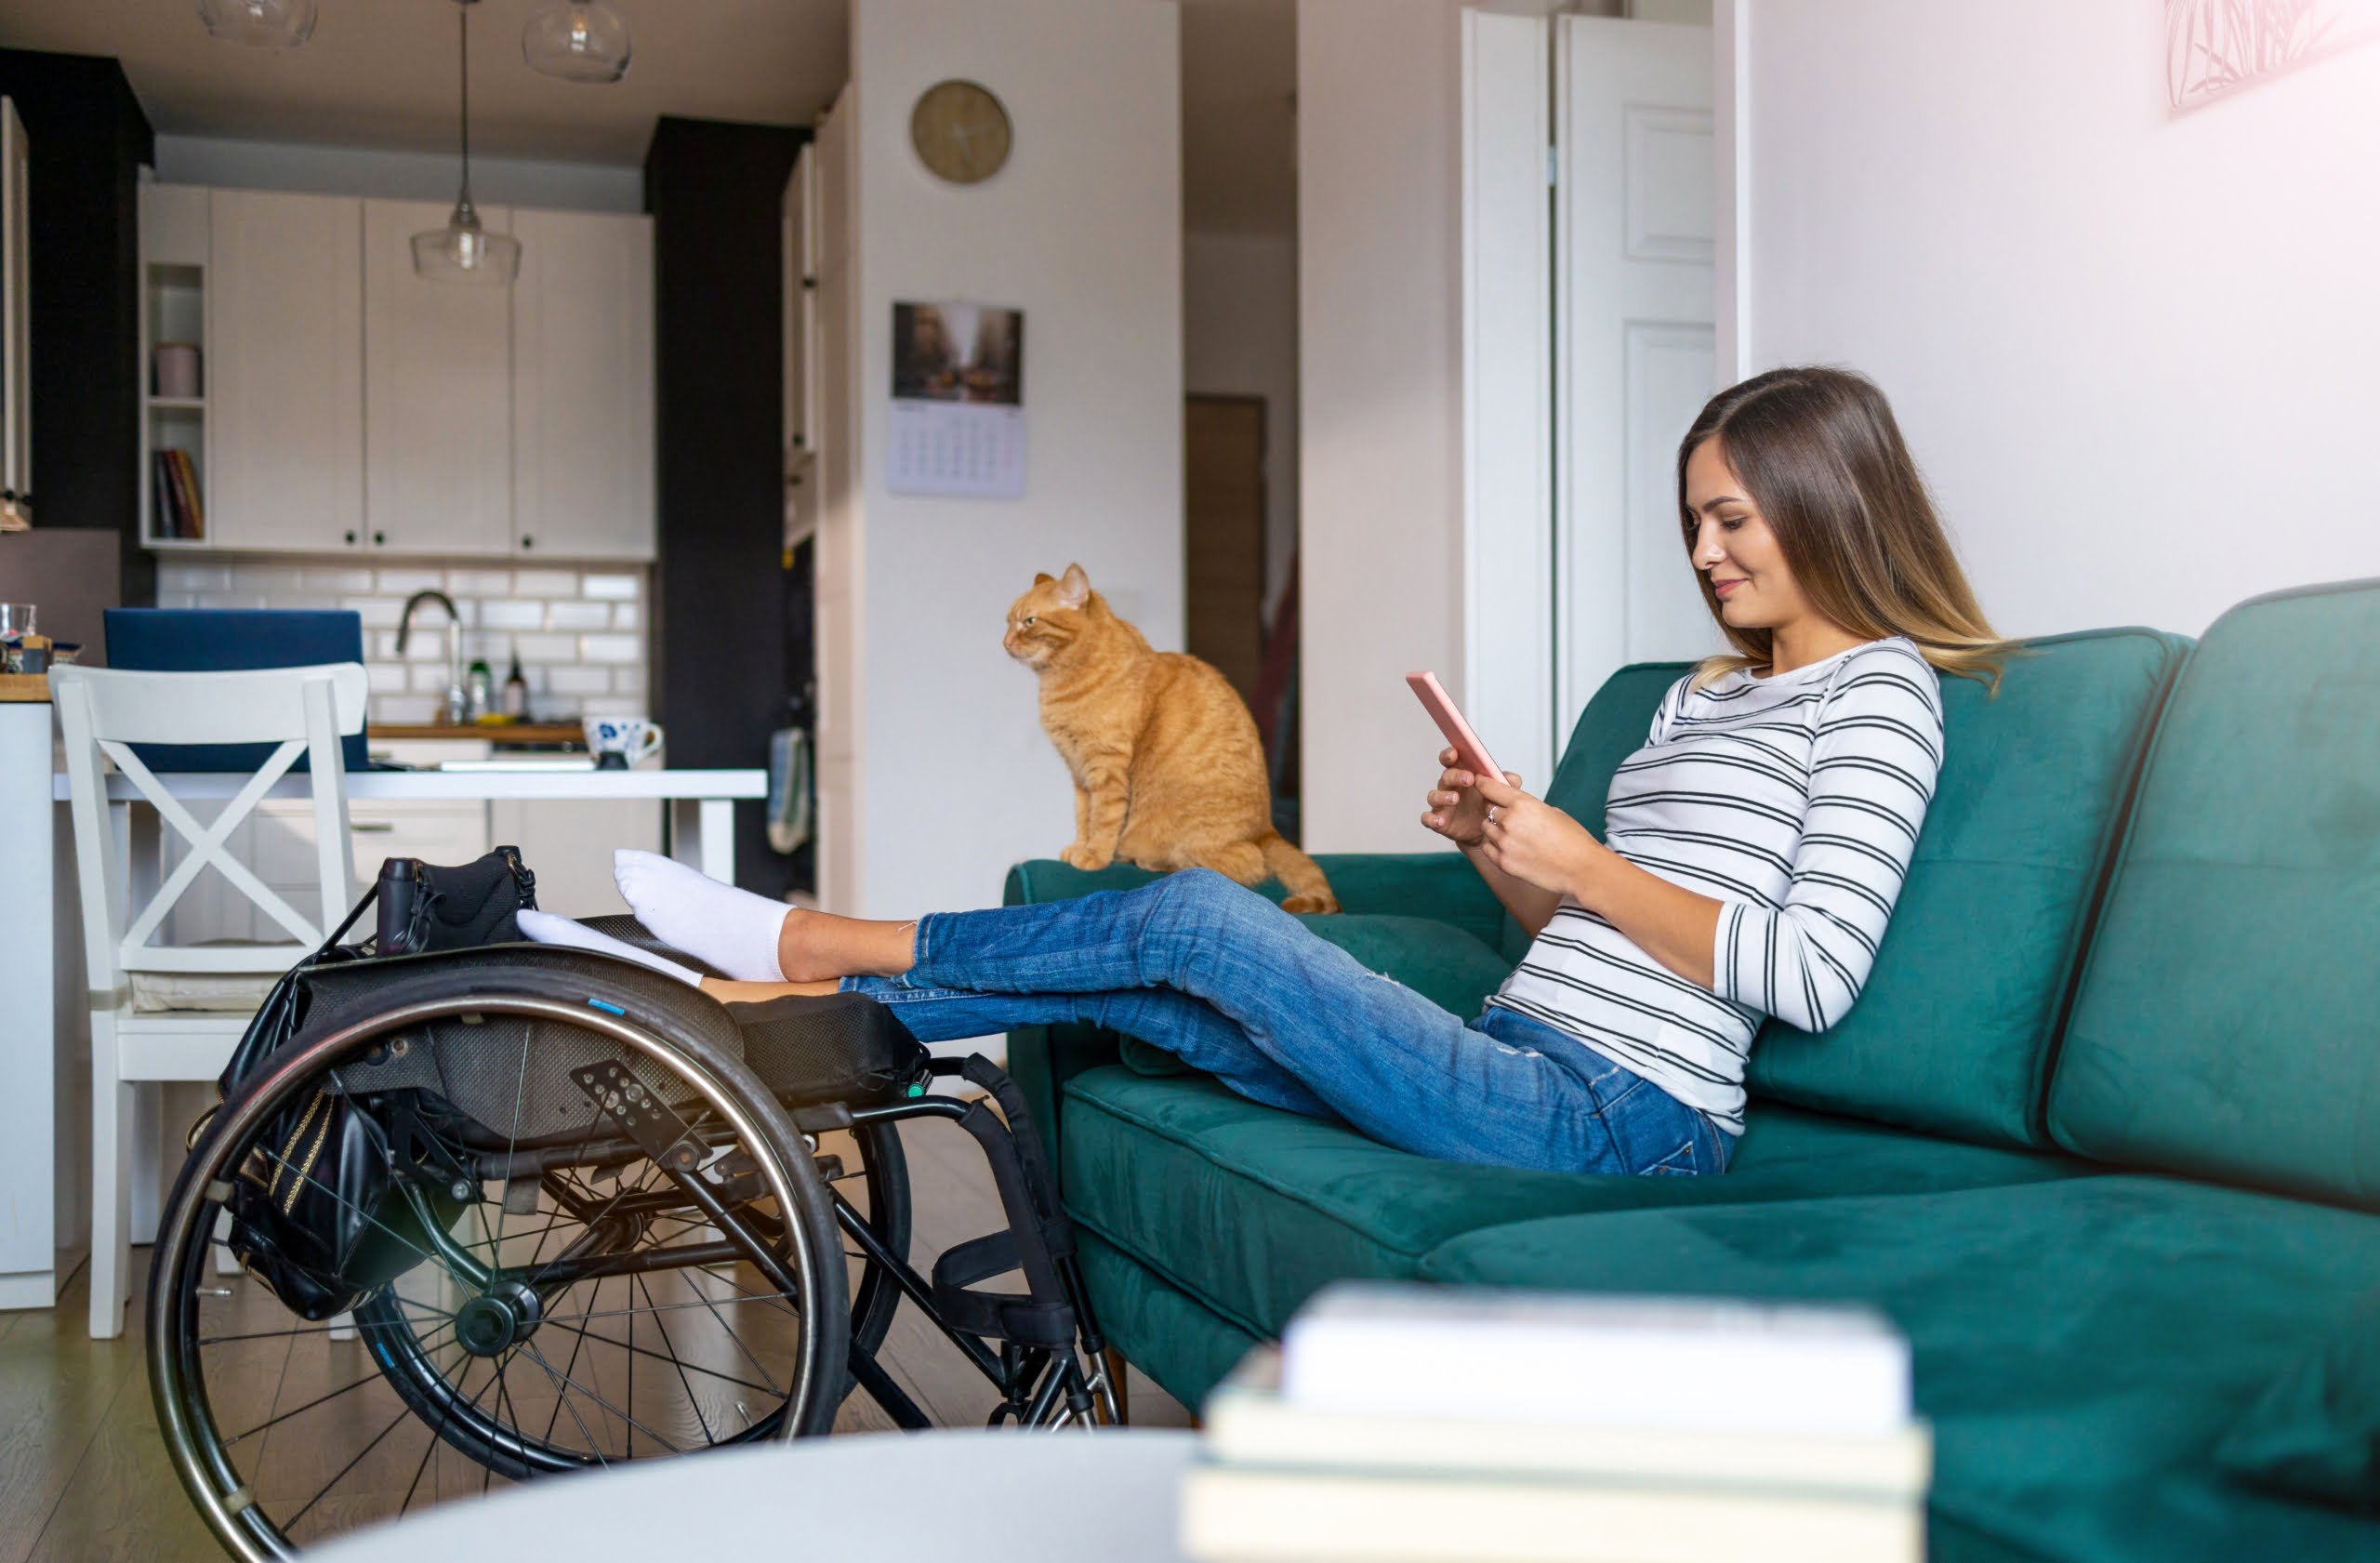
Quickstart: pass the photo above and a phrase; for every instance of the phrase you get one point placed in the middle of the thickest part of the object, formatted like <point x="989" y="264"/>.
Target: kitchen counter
<point x="493" y="732"/>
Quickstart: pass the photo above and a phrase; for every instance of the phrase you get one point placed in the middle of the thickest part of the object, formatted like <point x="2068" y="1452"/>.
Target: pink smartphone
<point x="1440" y="704"/>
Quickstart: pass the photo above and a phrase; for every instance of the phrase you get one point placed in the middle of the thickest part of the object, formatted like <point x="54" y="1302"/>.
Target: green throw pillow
<point x="2316" y="1433"/>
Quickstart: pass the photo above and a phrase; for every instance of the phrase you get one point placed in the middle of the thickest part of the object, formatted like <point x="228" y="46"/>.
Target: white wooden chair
<point x="303" y="710"/>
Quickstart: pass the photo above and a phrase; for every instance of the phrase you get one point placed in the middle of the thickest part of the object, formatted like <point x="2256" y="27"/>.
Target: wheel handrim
<point x="399" y="1332"/>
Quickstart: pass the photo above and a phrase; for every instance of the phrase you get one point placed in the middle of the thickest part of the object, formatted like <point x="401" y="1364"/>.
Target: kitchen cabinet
<point x="284" y="288"/>
<point x="582" y="387"/>
<point x="437" y="394"/>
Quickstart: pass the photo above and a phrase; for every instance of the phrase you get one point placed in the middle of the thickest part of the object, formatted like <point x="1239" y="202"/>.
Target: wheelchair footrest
<point x="1021" y="1317"/>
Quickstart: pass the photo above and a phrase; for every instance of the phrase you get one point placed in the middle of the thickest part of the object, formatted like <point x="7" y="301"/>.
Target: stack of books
<point x="1414" y="1424"/>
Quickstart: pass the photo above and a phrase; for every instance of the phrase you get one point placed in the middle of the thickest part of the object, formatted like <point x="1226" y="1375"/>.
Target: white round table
<point x="1004" y="1497"/>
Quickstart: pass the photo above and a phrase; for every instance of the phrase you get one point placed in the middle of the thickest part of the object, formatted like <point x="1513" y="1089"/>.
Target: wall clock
<point x="961" y="131"/>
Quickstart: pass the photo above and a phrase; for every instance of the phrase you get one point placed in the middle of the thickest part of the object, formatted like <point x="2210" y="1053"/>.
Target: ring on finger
<point x="1491" y="814"/>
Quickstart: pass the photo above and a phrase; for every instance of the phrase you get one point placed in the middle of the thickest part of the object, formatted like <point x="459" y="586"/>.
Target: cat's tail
<point x="1309" y="892"/>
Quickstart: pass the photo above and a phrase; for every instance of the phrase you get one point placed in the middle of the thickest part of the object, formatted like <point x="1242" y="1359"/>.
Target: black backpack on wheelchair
<point x="556" y="1211"/>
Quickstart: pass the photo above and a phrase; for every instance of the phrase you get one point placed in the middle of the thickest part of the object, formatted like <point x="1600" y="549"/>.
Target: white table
<point x="1004" y="1497"/>
<point x="45" y="1028"/>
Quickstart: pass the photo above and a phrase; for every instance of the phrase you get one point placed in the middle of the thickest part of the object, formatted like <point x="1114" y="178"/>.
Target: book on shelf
<point x="1373" y="1349"/>
<point x="179" y="510"/>
<point x="1251" y="1422"/>
<point x="1233" y="1514"/>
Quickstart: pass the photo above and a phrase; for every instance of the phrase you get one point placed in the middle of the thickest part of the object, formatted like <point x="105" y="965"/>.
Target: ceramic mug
<point x="618" y="742"/>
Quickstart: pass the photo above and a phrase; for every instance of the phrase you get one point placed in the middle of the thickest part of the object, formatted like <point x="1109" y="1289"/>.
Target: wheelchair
<point x="517" y="1211"/>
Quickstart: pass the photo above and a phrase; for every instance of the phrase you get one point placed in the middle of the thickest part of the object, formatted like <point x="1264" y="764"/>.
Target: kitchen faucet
<point x="458" y="703"/>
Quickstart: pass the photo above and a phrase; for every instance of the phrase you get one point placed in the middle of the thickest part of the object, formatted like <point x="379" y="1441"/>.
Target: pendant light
<point x="265" y="24"/>
<point x="464" y="251"/>
<point x="577" y="41"/>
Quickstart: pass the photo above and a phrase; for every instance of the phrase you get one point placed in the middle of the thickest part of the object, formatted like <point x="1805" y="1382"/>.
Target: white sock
<point x="732" y="931"/>
<point x="544" y="928"/>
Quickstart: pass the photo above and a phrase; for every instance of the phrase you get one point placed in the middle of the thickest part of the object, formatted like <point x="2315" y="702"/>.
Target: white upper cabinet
<point x="582" y="387"/>
<point x="437" y="394"/>
<point x="285" y="371"/>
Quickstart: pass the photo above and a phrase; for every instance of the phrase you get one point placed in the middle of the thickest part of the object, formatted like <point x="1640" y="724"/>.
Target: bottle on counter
<point x="516" y="689"/>
<point x="479" y="691"/>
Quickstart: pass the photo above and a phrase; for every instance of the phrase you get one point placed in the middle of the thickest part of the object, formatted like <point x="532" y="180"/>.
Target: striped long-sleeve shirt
<point x="1794" y="801"/>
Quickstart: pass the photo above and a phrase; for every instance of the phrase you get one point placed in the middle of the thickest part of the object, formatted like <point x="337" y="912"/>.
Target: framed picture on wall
<point x="957" y="423"/>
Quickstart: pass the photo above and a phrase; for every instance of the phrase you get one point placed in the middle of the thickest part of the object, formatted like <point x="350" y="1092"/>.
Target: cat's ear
<point x="1074" y="587"/>
<point x="1042" y="577"/>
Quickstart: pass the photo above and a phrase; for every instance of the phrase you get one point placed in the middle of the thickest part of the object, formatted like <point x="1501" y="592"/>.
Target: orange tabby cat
<point x="1167" y="767"/>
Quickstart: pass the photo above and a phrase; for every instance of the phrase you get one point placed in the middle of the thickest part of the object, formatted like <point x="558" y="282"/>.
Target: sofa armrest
<point x="1439" y="885"/>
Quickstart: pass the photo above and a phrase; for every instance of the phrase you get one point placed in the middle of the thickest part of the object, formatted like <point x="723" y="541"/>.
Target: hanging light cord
<point x="463" y="30"/>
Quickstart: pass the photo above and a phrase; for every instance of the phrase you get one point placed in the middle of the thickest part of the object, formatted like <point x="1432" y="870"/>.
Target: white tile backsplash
<point x="406" y="581"/>
<point x="578" y="615"/>
<point x="512" y="613"/>
<point x="579" y="636"/>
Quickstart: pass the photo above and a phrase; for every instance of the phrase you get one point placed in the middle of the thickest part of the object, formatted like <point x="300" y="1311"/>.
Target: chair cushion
<point x="2080" y="1346"/>
<point x="1250" y="1210"/>
<point x="199" y="992"/>
<point x="1951" y="1034"/>
<point x="2225" y="1024"/>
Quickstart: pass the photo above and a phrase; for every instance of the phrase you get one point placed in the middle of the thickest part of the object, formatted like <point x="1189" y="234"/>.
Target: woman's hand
<point x="1531" y="840"/>
<point x="1457" y="812"/>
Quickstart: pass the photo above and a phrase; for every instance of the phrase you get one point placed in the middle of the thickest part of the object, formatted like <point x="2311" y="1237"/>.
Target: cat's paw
<point x="1309" y="904"/>
<point x="1081" y="856"/>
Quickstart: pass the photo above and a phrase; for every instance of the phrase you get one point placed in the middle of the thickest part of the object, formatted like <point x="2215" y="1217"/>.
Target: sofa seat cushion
<point x="2225" y="1025"/>
<point x="2082" y="1346"/>
<point x="1251" y="1210"/>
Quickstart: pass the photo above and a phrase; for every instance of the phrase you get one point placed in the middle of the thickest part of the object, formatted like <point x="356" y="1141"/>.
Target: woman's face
<point x="1732" y="545"/>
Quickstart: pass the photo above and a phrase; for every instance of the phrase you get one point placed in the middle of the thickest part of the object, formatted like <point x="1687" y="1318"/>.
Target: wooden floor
<point x="83" y="1477"/>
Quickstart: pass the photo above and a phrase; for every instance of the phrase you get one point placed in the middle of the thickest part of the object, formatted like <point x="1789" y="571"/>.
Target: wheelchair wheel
<point x="555" y="1285"/>
<point x="877" y="1191"/>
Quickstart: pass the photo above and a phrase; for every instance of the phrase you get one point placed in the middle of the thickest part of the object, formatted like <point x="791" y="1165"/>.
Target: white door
<point x="285" y="371"/>
<point x="582" y="386"/>
<point x="1635" y="361"/>
<point x="437" y="394"/>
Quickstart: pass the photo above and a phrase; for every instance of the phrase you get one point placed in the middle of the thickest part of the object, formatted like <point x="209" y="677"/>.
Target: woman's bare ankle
<point x="821" y="947"/>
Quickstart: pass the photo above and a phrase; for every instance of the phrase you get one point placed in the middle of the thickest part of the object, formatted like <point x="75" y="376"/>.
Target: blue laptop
<point x="227" y="641"/>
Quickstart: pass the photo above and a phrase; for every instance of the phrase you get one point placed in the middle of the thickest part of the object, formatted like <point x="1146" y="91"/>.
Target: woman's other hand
<point x="1531" y="840"/>
<point x="1456" y="811"/>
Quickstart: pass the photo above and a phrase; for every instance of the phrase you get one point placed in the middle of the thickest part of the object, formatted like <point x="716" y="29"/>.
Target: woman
<point x="1754" y="851"/>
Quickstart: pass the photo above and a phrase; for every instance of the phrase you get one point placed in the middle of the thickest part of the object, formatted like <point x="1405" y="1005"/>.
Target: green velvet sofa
<point x="2102" y="1134"/>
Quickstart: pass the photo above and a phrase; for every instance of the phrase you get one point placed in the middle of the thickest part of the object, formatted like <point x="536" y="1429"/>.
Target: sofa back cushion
<point x="1951" y="1034"/>
<point x="2228" y="1025"/>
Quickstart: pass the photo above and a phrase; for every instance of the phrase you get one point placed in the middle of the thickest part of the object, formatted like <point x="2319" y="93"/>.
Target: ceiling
<point x="1239" y="80"/>
<point x="380" y="73"/>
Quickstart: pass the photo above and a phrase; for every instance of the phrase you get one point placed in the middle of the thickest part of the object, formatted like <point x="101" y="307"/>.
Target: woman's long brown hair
<point x="1822" y="458"/>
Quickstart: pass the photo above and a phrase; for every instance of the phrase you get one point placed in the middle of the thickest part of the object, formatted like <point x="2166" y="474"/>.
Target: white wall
<point x="398" y="175"/>
<point x="1239" y="332"/>
<point x="1379" y="336"/>
<point x="1083" y="230"/>
<point x="2132" y="348"/>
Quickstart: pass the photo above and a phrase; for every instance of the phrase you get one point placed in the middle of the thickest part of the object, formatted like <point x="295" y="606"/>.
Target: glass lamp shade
<point x="265" y="24"/>
<point x="577" y="41"/>
<point x="464" y="251"/>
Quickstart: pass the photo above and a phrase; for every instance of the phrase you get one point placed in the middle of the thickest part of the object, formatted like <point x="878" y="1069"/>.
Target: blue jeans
<point x="1229" y="983"/>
